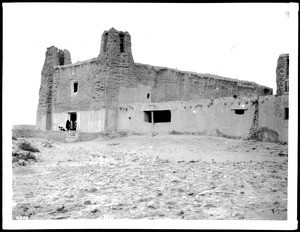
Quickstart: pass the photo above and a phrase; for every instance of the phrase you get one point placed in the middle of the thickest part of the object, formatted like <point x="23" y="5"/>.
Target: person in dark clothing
<point x="68" y="123"/>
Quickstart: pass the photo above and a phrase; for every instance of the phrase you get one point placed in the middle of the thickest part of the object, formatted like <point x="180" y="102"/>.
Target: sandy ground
<point x="159" y="177"/>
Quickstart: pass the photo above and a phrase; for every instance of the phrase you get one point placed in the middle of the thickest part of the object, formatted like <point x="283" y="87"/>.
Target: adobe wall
<point x="87" y="76"/>
<point x="209" y="117"/>
<point x="272" y="123"/>
<point x="173" y="85"/>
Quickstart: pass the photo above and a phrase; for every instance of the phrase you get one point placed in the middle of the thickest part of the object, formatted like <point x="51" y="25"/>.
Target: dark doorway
<point x="73" y="120"/>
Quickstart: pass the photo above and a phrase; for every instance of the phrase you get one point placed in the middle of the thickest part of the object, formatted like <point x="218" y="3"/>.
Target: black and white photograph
<point x="150" y="115"/>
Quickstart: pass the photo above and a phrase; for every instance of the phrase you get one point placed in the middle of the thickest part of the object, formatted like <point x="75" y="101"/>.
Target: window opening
<point x="121" y="42"/>
<point x="239" y="111"/>
<point x="159" y="116"/>
<point x="234" y="96"/>
<point x="75" y="87"/>
<point x="147" y="116"/>
<point x="148" y="95"/>
<point x="162" y="116"/>
<point x="286" y="113"/>
<point x="61" y="57"/>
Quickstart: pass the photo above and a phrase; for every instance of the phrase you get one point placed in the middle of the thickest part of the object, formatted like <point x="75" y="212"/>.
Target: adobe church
<point x="113" y="93"/>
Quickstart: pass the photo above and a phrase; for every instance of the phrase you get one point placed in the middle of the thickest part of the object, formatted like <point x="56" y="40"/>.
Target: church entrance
<point x="73" y="120"/>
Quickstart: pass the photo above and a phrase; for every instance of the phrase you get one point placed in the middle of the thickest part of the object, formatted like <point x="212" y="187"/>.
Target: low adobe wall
<point x="208" y="117"/>
<point x="55" y="135"/>
<point x="49" y="135"/>
<point x="24" y="127"/>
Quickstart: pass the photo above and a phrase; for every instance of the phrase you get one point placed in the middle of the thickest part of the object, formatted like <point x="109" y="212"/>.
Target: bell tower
<point x="115" y="49"/>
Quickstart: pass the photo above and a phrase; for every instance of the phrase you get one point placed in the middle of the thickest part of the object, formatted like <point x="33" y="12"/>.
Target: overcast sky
<point x="232" y="40"/>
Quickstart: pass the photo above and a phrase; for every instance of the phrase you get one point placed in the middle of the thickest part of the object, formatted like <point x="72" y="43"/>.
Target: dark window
<point x="148" y="95"/>
<point x="234" y="96"/>
<point x="286" y="113"/>
<point x="162" y="116"/>
<point x="147" y="116"/>
<point x="75" y="87"/>
<point x="239" y="111"/>
<point x="159" y="116"/>
<point x="121" y="42"/>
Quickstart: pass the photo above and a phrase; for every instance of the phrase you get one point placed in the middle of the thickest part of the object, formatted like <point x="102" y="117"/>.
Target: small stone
<point x="88" y="202"/>
<point x="60" y="208"/>
<point x="239" y="216"/>
<point x="180" y="213"/>
<point x="209" y="206"/>
<point x="94" y="210"/>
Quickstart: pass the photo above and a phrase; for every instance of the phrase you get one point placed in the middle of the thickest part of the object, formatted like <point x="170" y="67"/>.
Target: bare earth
<point x="159" y="177"/>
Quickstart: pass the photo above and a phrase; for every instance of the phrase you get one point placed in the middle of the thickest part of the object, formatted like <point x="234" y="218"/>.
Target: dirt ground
<point x="153" y="177"/>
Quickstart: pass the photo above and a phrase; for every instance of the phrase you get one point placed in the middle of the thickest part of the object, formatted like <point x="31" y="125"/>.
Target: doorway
<point x="73" y="120"/>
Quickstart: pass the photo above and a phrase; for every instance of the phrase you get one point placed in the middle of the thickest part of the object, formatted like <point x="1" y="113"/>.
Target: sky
<point x="240" y="41"/>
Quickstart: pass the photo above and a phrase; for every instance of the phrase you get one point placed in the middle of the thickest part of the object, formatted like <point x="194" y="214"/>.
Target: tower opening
<point x="105" y="42"/>
<point x="122" y="42"/>
<point x="61" y="58"/>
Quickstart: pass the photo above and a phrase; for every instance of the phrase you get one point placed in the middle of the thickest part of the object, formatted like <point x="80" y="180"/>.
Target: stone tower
<point x="282" y="74"/>
<point x="54" y="57"/>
